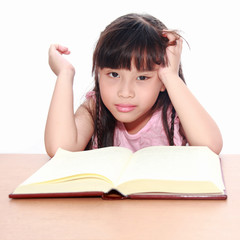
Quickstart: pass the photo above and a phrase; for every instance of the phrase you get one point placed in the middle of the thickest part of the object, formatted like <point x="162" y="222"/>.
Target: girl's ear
<point x="163" y="88"/>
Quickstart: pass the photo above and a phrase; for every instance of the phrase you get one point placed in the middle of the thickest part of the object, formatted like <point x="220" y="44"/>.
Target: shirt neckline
<point x="147" y="126"/>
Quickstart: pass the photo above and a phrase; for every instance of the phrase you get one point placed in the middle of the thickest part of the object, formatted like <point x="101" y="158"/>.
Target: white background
<point x="27" y="27"/>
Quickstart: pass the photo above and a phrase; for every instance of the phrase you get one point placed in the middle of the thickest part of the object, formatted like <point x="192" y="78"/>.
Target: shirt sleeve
<point x="90" y="94"/>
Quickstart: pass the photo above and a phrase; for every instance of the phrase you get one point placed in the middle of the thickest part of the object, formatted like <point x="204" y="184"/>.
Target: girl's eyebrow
<point x="110" y="69"/>
<point x="147" y="71"/>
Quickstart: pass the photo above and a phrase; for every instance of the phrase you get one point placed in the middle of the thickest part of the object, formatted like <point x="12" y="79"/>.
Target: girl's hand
<point x="173" y="55"/>
<point x="57" y="62"/>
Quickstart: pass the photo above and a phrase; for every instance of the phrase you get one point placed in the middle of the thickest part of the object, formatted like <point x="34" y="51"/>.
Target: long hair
<point x="130" y="38"/>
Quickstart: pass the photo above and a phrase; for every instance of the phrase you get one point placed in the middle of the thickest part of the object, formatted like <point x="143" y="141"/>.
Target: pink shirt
<point x="152" y="134"/>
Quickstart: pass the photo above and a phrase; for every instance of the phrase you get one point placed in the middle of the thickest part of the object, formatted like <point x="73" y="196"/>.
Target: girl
<point x="140" y="97"/>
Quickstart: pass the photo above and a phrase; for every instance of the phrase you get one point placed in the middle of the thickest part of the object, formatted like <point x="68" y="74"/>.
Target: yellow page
<point x="106" y="162"/>
<point x="183" y="163"/>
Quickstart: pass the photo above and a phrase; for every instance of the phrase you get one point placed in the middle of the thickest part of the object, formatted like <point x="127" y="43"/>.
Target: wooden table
<point x="94" y="218"/>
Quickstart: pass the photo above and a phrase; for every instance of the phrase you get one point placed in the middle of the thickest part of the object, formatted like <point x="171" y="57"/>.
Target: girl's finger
<point x="61" y="49"/>
<point x="179" y="42"/>
<point x="172" y="37"/>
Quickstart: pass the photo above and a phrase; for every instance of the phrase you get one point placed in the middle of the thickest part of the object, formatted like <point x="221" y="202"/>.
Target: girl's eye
<point x="142" y="78"/>
<point x="113" y="74"/>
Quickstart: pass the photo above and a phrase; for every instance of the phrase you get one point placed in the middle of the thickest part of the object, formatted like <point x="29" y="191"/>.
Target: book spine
<point x="113" y="194"/>
<point x="56" y="195"/>
<point x="179" y="197"/>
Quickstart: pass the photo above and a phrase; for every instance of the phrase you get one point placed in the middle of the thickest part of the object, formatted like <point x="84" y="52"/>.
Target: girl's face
<point x="130" y="94"/>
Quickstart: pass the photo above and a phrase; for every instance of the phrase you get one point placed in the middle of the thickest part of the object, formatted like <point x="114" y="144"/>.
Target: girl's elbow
<point x="216" y="149"/>
<point x="51" y="147"/>
<point x="216" y="145"/>
<point x="51" y="150"/>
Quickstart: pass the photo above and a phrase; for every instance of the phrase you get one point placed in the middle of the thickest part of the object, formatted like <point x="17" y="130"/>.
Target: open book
<point x="152" y="172"/>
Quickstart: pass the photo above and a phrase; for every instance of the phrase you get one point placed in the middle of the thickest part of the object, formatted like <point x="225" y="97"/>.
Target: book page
<point x="105" y="163"/>
<point x="183" y="163"/>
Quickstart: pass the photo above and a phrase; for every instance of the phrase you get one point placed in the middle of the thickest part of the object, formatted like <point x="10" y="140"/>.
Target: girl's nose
<point x="126" y="89"/>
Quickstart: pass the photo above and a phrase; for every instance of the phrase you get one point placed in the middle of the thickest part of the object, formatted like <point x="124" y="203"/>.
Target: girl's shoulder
<point x="90" y="102"/>
<point x="91" y="95"/>
<point x="88" y="106"/>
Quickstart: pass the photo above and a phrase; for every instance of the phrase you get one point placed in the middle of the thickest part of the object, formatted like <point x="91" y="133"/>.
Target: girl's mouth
<point x="125" y="107"/>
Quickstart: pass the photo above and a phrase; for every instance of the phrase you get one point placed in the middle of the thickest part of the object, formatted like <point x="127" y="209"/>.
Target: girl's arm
<point x="64" y="128"/>
<point x="199" y="128"/>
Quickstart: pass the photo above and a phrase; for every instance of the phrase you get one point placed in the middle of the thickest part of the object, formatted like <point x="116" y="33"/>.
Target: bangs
<point x="138" y="43"/>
